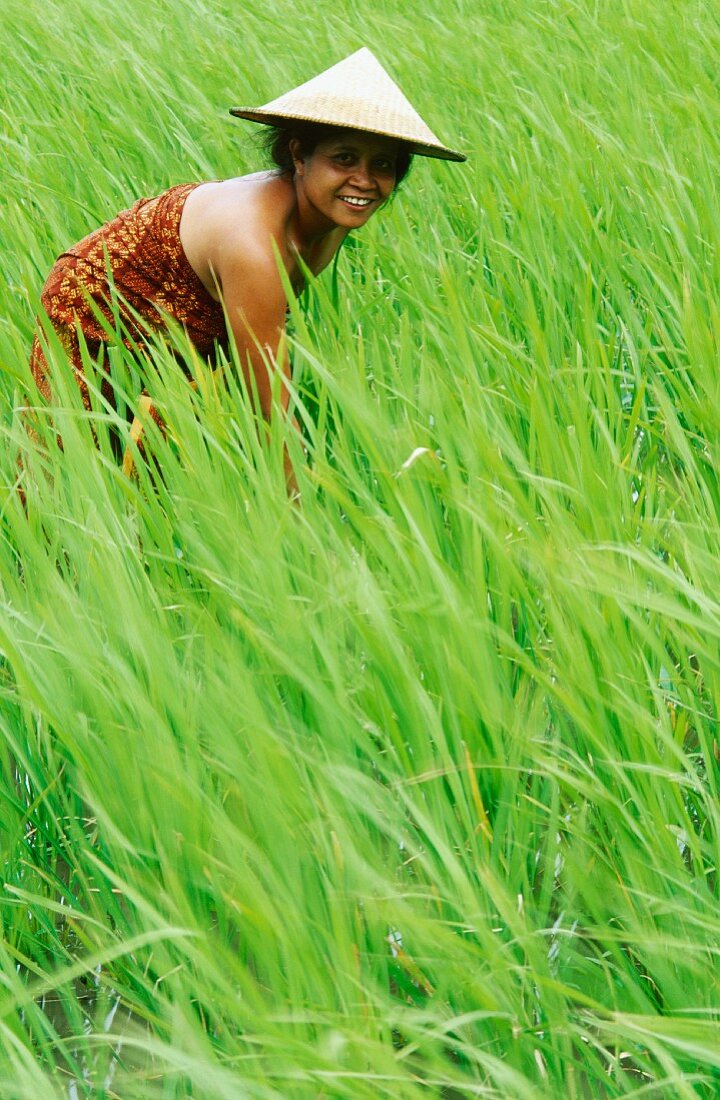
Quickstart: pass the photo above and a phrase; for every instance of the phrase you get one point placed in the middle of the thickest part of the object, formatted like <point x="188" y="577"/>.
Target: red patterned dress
<point x="151" y="281"/>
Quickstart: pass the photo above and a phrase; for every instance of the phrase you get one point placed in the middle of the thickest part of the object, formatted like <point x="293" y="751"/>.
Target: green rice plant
<point x="410" y="790"/>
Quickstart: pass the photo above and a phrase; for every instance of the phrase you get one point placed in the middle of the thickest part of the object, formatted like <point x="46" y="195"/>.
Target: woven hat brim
<point x="440" y="152"/>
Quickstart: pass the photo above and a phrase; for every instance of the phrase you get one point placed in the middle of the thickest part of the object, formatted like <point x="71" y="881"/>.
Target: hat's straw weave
<point x="356" y="94"/>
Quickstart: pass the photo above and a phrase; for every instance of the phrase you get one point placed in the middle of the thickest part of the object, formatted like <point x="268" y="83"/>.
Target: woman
<point x="211" y="256"/>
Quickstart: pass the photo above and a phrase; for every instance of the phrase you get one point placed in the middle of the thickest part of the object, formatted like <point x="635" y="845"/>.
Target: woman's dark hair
<point x="277" y="142"/>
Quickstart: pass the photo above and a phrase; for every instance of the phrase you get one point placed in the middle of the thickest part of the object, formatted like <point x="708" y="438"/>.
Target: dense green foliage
<point x="410" y="791"/>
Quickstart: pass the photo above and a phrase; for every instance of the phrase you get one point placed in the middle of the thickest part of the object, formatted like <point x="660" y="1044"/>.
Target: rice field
<point x="410" y="791"/>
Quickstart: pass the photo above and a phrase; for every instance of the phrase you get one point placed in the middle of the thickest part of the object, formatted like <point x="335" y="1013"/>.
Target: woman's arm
<point x="255" y="303"/>
<point x="252" y="292"/>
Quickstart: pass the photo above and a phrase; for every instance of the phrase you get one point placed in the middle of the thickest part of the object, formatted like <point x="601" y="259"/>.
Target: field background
<point x="411" y="791"/>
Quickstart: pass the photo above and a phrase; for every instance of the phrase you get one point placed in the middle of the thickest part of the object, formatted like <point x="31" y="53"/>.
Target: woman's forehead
<point x="358" y="140"/>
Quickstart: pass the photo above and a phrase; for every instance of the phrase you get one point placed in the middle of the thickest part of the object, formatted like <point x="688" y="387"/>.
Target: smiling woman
<point x="214" y="256"/>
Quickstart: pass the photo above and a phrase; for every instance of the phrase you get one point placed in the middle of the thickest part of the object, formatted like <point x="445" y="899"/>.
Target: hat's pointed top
<point x="357" y="94"/>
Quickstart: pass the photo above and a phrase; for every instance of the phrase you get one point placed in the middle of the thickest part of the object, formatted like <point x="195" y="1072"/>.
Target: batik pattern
<point x="134" y="271"/>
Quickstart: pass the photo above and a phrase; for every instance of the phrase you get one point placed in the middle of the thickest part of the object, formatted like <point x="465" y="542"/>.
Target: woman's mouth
<point x="355" y="202"/>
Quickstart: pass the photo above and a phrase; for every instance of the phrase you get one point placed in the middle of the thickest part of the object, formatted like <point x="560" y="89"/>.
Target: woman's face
<point x="346" y="178"/>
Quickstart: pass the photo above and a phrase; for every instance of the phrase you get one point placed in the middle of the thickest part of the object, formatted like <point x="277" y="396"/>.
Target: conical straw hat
<point x="356" y="94"/>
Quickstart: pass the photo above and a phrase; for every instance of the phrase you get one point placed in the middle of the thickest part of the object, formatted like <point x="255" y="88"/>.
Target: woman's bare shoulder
<point x="241" y="202"/>
<point x="243" y="215"/>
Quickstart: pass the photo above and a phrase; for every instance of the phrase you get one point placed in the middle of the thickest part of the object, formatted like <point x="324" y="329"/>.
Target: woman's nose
<point x="361" y="175"/>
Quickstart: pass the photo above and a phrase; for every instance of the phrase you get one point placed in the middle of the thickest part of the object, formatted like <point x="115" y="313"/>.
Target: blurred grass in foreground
<point x="412" y="791"/>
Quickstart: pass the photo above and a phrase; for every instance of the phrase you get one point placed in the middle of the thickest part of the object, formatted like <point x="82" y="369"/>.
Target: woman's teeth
<point x="355" y="201"/>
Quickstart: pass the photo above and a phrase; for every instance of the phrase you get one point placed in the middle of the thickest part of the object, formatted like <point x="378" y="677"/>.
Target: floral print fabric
<point x="133" y="269"/>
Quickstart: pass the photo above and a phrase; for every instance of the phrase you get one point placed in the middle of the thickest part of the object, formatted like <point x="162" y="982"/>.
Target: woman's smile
<point x="355" y="200"/>
<point x="357" y="205"/>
